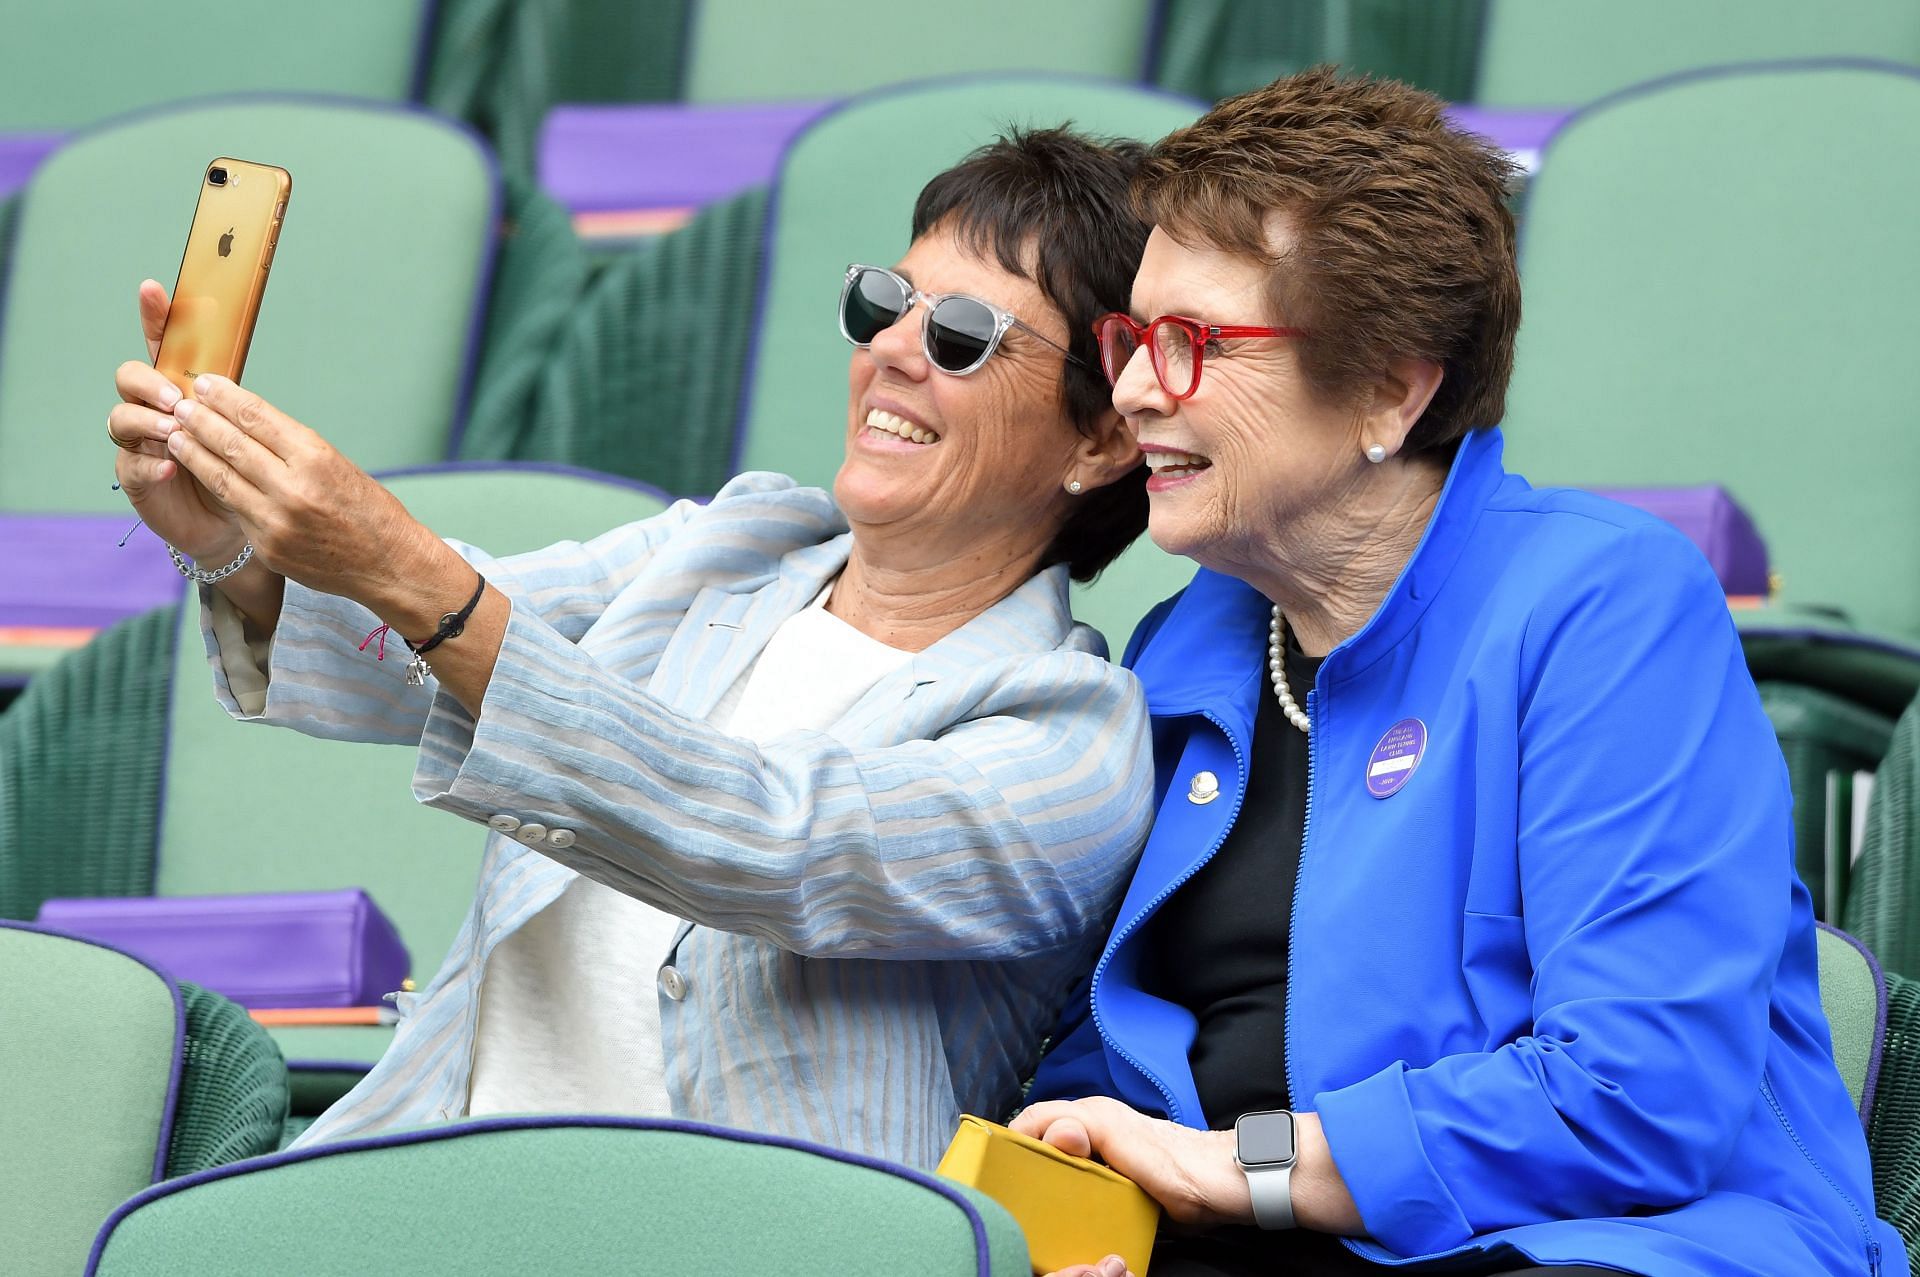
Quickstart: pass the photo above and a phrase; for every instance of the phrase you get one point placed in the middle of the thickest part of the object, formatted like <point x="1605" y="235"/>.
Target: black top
<point x="1218" y="947"/>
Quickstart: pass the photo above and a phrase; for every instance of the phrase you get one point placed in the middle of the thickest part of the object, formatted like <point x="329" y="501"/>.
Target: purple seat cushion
<point x="69" y="570"/>
<point x="1522" y="134"/>
<point x="1714" y="521"/>
<point x="663" y="155"/>
<point x="287" y="949"/>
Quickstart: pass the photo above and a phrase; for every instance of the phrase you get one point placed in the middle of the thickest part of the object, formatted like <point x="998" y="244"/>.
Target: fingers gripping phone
<point x="223" y="272"/>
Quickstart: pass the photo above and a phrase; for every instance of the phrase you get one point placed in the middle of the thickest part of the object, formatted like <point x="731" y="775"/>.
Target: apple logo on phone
<point x="226" y="242"/>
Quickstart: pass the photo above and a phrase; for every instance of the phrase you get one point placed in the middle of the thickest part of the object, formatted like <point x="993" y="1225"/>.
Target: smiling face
<point x="1254" y="458"/>
<point x="960" y="462"/>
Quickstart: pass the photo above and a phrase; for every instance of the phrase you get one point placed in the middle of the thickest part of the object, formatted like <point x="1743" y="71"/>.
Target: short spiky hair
<point x="1053" y="206"/>
<point x="1402" y="245"/>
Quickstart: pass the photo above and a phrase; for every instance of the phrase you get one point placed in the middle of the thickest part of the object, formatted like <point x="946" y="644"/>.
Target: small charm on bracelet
<point x="417" y="671"/>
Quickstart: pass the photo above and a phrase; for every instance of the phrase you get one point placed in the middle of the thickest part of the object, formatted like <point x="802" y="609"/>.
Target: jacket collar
<point x="1217" y="630"/>
<point x="726" y="629"/>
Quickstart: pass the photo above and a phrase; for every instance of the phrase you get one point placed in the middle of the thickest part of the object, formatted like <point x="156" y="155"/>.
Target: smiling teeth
<point x="881" y="419"/>
<point x="1176" y="462"/>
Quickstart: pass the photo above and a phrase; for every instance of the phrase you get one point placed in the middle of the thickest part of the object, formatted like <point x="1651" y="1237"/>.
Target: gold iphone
<point x="223" y="273"/>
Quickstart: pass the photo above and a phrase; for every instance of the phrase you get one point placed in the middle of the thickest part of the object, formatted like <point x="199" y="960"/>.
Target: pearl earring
<point x="1074" y="487"/>
<point x="1377" y="453"/>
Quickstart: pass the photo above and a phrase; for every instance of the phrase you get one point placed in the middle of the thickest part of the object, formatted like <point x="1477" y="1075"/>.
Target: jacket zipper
<point x="1859" y="1218"/>
<point x="1293" y="912"/>
<point x="1120" y="937"/>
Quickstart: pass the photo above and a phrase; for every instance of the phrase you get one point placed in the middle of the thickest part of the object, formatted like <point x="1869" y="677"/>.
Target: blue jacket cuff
<point x="1375" y="1140"/>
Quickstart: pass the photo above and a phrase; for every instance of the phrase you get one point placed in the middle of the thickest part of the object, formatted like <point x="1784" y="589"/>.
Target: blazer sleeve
<point x="321" y="677"/>
<point x="1656" y="866"/>
<point x="1010" y="832"/>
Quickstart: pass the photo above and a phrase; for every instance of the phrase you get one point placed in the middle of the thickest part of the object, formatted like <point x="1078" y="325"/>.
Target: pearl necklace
<point x="1277" y="670"/>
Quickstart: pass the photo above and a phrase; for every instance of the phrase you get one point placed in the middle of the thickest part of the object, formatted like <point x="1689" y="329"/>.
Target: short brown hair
<point x="1403" y="245"/>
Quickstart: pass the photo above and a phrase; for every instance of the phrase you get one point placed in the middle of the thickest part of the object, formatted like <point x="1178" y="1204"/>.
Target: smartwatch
<point x="1265" y="1151"/>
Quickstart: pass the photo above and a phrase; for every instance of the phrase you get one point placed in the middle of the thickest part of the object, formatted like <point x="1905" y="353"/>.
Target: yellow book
<point x="1073" y="1211"/>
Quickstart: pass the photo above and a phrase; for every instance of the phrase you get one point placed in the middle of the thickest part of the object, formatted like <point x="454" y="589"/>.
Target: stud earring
<point x="1074" y="487"/>
<point x="1376" y="453"/>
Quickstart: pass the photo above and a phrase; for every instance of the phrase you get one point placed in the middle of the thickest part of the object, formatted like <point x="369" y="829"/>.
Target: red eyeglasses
<point x="1177" y="346"/>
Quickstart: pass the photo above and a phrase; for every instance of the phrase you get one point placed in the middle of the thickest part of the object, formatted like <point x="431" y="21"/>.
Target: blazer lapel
<point x="725" y="630"/>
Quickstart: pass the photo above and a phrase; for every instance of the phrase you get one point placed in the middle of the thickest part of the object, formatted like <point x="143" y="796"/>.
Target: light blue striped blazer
<point x="884" y="920"/>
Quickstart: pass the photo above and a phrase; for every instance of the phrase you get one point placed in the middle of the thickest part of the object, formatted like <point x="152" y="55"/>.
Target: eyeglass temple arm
<point x="1017" y="322"/>
<point x="1243" y="330"/>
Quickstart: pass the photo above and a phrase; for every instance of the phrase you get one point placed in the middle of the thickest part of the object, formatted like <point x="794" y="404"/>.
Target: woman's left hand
<point x="1192" y="1174"/>
<point x="312" y="515"/>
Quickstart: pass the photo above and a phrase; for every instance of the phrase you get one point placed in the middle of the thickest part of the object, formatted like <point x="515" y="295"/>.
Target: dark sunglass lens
<point x="873" y="305"/>
<point x="959" y="332"/>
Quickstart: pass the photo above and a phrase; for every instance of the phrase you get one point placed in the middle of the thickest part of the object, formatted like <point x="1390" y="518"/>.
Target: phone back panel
<point x="223" y="273"/>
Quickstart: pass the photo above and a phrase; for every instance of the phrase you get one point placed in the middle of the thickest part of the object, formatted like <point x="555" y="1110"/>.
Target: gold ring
<point x="118" y="442"/>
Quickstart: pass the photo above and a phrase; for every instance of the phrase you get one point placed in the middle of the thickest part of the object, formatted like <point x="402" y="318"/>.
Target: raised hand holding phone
<point x="175" y="505"/>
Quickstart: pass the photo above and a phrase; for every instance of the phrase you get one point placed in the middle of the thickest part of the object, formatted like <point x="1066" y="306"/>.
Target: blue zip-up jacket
<point x="1556" y="992"/>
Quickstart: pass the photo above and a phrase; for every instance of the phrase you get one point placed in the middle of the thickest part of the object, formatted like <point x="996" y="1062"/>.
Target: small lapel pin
<point x="1204" y="788"/>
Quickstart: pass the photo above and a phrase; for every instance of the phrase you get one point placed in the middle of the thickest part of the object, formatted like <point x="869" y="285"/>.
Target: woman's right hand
<point x="169" y="499"/>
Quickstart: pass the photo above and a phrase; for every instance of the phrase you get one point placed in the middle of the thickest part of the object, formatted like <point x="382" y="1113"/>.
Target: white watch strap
<point x="1271" y="1188"/>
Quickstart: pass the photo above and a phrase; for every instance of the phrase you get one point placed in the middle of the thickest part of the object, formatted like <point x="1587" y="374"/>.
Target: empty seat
<point x="581" y="1196"/>
<point x="115" y="1079"/>
<point x="1719" y="272"/>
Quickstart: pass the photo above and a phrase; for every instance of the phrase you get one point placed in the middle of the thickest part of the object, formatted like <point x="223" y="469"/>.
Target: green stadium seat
<point x="1719" y="275"/>
<point x="642" y="374"/>
<point x="369" y="322"/>
<point x="63" y="66"/>
<point x="747" y="51"/>
<point x="1213" y="49"/>
<point x="185" y="801"/>
<point x="1827" y="739"/>
<point x="1874" y="1019"/>
<point x="1883" y="902"/>
<point x="115" y="1079"/>
<point x="1546" y="53"/>
<point x="1852" y="996"/>
<point x="793" y="420"/>
<point x="501" y="64"/>
<point x="1893" y="1127"/>
<point x="582" y="1196"/>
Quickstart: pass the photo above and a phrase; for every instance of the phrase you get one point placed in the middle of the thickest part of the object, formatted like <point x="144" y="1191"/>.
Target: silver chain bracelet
<point x="200" y="576"/>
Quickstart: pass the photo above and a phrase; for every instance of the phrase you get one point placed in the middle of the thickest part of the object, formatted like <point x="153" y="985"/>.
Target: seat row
<point x="142" y="1123"/>
<point x="1653" y="352"/>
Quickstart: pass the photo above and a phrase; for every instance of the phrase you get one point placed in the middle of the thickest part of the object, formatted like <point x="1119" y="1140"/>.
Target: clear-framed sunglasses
<point x="959" y="333"/>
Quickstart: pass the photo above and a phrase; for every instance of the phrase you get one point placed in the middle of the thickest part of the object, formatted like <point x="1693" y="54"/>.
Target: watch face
<point x="1265" y="1138"/>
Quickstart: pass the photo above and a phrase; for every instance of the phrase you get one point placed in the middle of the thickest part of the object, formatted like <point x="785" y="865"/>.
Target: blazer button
<point x="673" y="984"/>
<point x="503" y="823"/>
<point x="1203" y="788"/>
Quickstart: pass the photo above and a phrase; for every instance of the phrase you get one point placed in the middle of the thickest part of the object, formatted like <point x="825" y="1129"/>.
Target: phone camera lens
<point x="217" y="176"/>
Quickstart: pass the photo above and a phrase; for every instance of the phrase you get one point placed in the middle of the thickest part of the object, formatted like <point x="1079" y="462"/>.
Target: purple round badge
<point x="1395" y="757"/>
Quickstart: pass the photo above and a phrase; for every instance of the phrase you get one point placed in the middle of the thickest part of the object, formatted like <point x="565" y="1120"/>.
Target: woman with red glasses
<point x="1468" y="938"/>
<point x="803" y="810"/>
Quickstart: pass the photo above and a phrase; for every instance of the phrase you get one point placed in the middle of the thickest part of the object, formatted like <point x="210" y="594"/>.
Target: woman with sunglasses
<point x="1468" y="938"/>
<point x="806" y="809"/>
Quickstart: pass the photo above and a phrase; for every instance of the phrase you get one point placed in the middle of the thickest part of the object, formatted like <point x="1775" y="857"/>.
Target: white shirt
<point x="570" y="1003"/>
